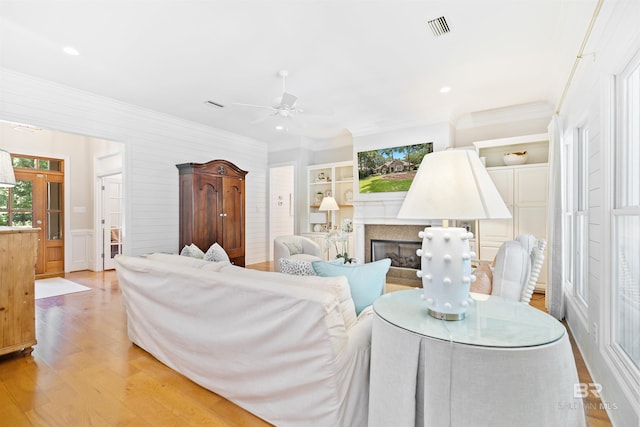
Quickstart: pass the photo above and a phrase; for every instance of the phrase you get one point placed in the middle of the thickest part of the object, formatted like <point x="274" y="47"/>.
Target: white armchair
<point x="295" y="247"/>
<point x="516" y="269"/>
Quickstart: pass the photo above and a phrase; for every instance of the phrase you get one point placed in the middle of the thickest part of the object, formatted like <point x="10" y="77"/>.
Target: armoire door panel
<point x="233" y="231"/>
<point x="208" y="219"/>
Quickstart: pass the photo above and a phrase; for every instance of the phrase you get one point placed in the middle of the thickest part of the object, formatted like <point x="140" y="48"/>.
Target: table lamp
<point x="329" y="204"/>
<point x="450" y="184"/>
<point x="7" y="177"/>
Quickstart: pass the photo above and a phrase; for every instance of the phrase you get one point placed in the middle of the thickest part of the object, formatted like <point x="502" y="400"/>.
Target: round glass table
<point x="505" y="363"/>
<point x="490" y="321"/>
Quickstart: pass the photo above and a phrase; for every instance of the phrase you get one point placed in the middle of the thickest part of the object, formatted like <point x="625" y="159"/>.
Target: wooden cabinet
<point x="524" y="190"/>
<point x="18" y="256"/>
<point x="212" y="207"/>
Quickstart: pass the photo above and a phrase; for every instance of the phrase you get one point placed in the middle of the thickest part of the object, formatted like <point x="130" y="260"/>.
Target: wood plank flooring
<point x="85" y="372"/>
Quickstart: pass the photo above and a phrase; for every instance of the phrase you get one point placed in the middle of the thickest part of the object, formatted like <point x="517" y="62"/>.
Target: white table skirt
<point x="421" y="381"/>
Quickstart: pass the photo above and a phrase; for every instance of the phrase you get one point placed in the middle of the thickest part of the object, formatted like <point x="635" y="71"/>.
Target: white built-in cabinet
<point x="329" y="179"/>
<point x="524" y="189"/>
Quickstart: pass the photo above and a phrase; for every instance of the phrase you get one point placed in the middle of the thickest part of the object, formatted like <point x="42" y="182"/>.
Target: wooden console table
<point x="18" y="256"/>
<point x="505" y="364"/>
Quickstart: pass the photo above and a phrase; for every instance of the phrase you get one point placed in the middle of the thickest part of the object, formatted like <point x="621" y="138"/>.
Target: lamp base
<point x="446" y="271"/>
<point x="446" y="316"/>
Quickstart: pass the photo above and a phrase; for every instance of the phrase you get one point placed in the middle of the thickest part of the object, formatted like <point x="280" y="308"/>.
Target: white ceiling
<point x="375" y="65"/>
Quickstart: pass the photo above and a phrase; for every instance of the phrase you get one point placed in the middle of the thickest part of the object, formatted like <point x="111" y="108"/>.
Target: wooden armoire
<point x="212" y="207"/>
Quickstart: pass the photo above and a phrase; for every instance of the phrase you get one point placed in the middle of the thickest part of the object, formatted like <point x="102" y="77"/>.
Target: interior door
<point x="112" y="219"/>
<point x="37" y="201"/>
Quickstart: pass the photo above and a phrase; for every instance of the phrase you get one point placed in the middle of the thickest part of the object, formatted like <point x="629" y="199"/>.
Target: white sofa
<point x="289" y="349"/>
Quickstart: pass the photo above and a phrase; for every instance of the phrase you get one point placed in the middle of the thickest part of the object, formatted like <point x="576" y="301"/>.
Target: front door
<point x="37" y="201"/>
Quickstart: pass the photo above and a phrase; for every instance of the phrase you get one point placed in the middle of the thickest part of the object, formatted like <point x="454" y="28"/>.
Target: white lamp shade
<point x="7" y="177"/>
<point x="328" y="204"/>
<point x="453" y="184"/>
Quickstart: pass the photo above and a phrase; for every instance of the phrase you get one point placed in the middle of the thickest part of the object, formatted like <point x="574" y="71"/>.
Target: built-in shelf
<point x="493" y="151"/>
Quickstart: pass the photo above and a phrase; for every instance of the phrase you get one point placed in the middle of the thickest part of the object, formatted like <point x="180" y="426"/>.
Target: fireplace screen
<point x="401" y="253"/>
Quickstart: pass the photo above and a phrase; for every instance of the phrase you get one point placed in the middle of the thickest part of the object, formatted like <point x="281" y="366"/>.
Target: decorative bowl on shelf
<point x="515" y="158"/>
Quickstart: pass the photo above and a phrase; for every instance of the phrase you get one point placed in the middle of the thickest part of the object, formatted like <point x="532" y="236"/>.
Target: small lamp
<point x="450" y="184"/>
<point x="329" y="204"/>
<point x="7" y="177"/>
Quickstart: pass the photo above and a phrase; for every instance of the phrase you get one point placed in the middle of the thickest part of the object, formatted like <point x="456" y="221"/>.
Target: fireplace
<point x="399" y="243"/>
<point x="401" y="253"/>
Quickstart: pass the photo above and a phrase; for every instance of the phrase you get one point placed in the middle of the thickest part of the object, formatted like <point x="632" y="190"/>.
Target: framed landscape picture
<point x="390" y="169"/>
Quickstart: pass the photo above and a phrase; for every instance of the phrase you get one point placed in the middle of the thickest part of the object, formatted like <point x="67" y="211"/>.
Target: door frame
<point x="107" y="223"/>
<point x="66" y="203"/>
<point x="98" y="247"/>
<point x="293" y="202"/>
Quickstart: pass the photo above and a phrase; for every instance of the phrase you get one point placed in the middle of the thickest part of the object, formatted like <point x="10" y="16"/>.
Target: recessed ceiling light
<point x="279" y="127"/>
<point x="69" y="50"/>
<point x="445" y="89"/>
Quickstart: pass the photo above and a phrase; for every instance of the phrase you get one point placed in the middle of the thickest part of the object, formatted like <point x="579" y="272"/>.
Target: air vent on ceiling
<point x="439" y="26"/>
<point x="215" y="104"/>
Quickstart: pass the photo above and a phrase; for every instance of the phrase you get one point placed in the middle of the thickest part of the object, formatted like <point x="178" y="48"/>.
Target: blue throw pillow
<point x="365" y="280"/>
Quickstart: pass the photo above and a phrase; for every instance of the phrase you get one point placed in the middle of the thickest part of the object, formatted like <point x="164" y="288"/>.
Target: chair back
<point x="518" y="266"/>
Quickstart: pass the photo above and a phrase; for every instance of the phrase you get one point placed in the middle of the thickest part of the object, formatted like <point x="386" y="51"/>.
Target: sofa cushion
<point x="366" y="281"/>
<point x="192" y="251"/>
<point x="216" y="253"/>
<point x="347" y="306"/>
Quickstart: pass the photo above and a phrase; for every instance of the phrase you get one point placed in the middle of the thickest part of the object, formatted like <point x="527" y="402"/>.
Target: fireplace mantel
<point x="383" y="211"/>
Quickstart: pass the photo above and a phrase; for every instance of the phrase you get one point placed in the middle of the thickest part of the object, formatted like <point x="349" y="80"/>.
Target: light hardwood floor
<point x="85" y="372"/>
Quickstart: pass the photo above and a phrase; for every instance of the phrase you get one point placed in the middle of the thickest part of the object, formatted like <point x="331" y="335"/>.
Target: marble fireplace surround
<point x="405" y="233"/>
<point x="376" y="217"/>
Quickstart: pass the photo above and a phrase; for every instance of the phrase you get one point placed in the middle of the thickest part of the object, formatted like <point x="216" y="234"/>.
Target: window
<point x="626" y="217"/>
<point x="576" y="206"/>
<point x="580" y="221"/>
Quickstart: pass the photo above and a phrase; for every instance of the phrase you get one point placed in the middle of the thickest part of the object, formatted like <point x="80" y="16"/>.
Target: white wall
<point x="154" y="144"/>
<point x="590" y="104"/>
<point x="282" y="203"/>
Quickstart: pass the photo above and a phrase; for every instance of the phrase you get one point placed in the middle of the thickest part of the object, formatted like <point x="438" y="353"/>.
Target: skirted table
<point x="505" y="364"/>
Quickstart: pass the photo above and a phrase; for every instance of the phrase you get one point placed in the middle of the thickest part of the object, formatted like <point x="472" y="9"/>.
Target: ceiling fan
<point x="285" y="107"/>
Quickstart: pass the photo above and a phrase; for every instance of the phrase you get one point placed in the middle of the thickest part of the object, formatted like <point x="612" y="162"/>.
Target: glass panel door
<point x="37" y="201"/>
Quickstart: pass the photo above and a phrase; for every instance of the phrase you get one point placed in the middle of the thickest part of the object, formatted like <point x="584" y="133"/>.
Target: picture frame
<point x="392" y="169"/>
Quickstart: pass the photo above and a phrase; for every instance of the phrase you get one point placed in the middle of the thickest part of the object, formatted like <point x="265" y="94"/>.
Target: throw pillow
<point x="294" y="247"/>
<point x="296" y="267"/>
<point x="300" y="267"/>
<point x="484" y="279"/>
<point x="192" y="251"/>
<point x="216" y="253"/>
<point x="366" y="281"/>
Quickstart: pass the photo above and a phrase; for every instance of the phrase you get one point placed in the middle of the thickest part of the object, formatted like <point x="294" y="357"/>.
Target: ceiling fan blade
<point x="313" y="111"/>
<point x="239" y="104"/>
<point x="288" y="99"/>
<point x="263" y="118"/>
